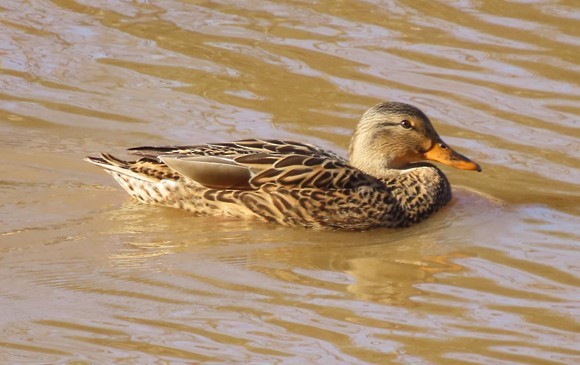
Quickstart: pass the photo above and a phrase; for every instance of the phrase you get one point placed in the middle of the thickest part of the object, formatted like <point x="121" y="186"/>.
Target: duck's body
<point x="297" y="184"/>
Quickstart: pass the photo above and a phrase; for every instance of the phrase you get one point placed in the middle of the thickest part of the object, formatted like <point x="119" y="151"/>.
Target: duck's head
<point x="395" y="135"/>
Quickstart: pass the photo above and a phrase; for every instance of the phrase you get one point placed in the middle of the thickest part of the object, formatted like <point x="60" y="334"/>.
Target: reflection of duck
<point x="384" y="183"/>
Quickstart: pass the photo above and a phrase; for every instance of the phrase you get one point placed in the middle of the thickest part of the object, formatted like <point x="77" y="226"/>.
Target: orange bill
<point x="440" y="152"/>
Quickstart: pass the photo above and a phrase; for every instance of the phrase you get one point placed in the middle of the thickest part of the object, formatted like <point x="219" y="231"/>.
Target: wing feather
<point x="252" y="163"/>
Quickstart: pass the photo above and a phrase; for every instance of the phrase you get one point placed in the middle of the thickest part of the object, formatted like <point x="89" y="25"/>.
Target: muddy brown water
<point x="88" y="276"/>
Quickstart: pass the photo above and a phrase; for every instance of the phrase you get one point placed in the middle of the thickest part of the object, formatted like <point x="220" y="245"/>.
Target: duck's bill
<point x="440" y="152"/>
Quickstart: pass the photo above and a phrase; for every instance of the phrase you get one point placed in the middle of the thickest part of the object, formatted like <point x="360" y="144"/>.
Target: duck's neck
<point x="373" y="160"/>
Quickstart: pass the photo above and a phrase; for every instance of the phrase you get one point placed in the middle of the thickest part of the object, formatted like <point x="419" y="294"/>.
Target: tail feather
<point x="114" y="166"/>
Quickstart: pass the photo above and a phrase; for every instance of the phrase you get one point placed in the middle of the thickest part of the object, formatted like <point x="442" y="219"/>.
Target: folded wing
<point x="250" y="165"/>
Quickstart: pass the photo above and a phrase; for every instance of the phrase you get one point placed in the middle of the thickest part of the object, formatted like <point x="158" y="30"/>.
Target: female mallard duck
<point x="384" y="184"/>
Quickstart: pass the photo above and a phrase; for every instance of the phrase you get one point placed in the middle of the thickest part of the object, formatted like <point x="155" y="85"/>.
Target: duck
<point x="386" y="181"/>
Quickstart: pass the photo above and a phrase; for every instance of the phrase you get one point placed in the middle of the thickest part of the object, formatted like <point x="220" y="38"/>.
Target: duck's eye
<point x="406" y="124"/>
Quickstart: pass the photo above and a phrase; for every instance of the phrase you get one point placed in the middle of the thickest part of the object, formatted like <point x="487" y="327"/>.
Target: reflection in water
<point x="393" y="282"/>
<point x="89" y="277"/>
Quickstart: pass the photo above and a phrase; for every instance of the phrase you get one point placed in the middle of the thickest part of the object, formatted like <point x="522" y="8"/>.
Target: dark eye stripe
<point x="385" y="124"/>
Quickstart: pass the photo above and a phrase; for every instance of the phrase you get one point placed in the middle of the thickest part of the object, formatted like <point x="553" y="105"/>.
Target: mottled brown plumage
<point x="384" y="183"/>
